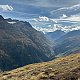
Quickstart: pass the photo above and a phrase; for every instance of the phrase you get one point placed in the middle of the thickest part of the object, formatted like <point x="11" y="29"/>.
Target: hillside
<point x="21" y="44"/>
<point x="55" y="35"/>
<point x="74" y="33"/>
<point x="67" y="44"/>
<point x="65" y="68"/>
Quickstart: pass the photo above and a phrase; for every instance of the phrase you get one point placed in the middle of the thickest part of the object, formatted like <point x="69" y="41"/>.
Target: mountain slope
<point x="55" y="35"/>
<point x="68" y="35"/>
<point x="66" y="68"/>
<point x="69" y="43"/>
<point x="20" y="44"/>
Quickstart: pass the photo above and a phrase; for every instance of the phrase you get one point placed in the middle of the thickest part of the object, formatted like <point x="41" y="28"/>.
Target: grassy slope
<point x="65" y="68"/>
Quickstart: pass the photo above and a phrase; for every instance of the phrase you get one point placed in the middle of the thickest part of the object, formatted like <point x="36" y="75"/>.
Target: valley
<point x="39" y="39"/>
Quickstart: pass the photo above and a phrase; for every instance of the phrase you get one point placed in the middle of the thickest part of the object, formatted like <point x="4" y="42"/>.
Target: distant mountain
<point x="20" y="44"/>
<point x="68" y="35"/>
<point x="55" y="35"/>
<point x="66" y="68"/>
<point x="67" y="44"/>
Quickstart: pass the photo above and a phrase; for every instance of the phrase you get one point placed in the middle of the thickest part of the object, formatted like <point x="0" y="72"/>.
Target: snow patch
<point x="11" y="22"/>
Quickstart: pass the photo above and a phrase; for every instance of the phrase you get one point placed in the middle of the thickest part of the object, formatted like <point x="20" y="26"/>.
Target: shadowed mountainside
<point x="20" y="44"/>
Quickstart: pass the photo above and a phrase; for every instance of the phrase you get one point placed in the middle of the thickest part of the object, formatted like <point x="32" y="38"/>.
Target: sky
<point x="44" y="15"/>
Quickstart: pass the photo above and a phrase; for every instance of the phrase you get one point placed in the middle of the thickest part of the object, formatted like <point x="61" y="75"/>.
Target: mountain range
<point x="21" y="44"/>
<point x="68" y="43"/>
<point x="64" y="43"/>
<point x="55" y="35"/>
<point x="39" y="39"/>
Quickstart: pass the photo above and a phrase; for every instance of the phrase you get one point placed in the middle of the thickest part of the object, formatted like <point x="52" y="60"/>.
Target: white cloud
<point x="55" y="27"/>
<point x="46" y="24"/>
<point x="35" y="19"/>
<point x="43" y="18"/>
<point x="54" y="20"/>
<point x="73" y="18"/>
<point x="6" y="7"/>
<point x="63" y="16"/>
<point x="75" y="7"/>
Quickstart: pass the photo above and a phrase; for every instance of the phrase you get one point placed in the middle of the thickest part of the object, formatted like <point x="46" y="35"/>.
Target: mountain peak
<point x="1" y="17"/>
<point x="29" y="45"/>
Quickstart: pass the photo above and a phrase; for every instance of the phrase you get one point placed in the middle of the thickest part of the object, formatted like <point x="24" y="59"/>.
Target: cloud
<point x="35" y="3"/>
<point x="63" y="16"/>
<point x="6" y="7"/>
<point x="37" y="12"/>
<point x="43" y="18"/>
<point x="74" y="18"/>
<point x="65" y="11"/>
<point x="54" y="20"/>
<point x="41" y="7"/>
<point x="55" y="27"/>
<point x="46" y="24"/>
<point x="47" y="3"/>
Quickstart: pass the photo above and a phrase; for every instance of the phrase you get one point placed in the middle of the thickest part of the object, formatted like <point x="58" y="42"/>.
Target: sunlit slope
<point x="65" y="68"/>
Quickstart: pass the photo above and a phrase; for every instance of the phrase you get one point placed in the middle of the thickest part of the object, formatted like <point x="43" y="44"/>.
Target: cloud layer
<point x="44" y="15"/>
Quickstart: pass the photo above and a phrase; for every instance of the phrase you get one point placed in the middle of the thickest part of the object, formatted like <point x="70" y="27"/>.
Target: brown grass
<point x="65" y="68"/>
